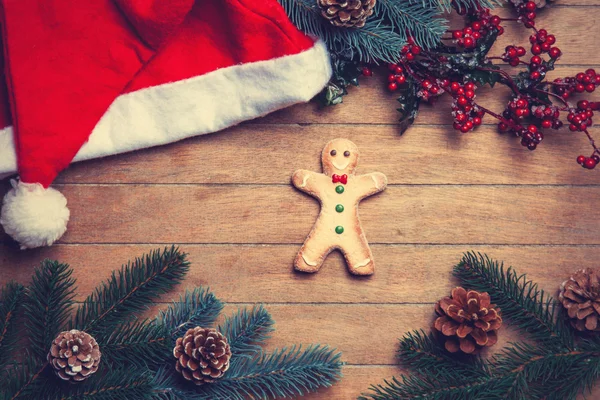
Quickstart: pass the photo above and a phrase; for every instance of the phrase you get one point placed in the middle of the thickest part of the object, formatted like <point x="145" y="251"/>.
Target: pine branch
<point x="141" y="344"/>
<point x="130" y="290"/>
<point x="48" y="304"/>
<point x="422" y="352"/>
<point x="21" y="381"/>
<point x="197" y="308"/>
<point x="446" y="5"/>
<point x="420" y="22"/>
<point x="520" y="300"/>
<point x="375" y="42"/>
<point x="245" y="331"/>
<point x="285" y="373"/>
<point x="11" y="300"/>
<point x="129" y="384"/>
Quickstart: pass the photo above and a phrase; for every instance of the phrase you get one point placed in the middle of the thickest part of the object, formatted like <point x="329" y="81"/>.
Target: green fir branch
<point x="22" y="380"/>
<point x="283" y="374"/>
<point x="521" y="301"/>
<point x="142" y="344"/>
<point x="423" y="352"/>
<point x="375" y="42"/>
<point x="48" y="303"/>
<point x="446" y="5"/>
<point x="11" y="300"/>
<point x="199" y="307"/>
<point x="130" y="290"/>
<point x="246" y="330"/>
<point x="117" y="384"/>
<point x="405" y="17"/>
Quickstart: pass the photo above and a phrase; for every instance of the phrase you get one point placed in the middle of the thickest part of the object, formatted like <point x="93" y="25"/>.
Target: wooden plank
<point x="268" y="154"/>
<point x="280" y="214"/>
<point x="357" y="380"/>
<point x="247" y="273"/>
<point x="372" y="103"/>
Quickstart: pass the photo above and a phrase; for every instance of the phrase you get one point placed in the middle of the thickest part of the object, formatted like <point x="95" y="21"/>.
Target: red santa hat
<point x="94" y="78"/>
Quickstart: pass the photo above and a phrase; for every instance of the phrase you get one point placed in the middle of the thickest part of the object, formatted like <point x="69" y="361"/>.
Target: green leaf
<point x="409" y="104"/>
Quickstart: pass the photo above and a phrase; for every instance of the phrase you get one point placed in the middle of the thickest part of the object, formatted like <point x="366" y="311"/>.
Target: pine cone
<point x="467" y="321"/>
<point x="580" y="295"/>
<point x="202" y="355"/>
<point x="74" y="355"/>
<point x="347" y="13"/>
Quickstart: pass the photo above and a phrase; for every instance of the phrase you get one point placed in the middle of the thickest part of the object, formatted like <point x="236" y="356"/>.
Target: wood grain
<point x="263" y="273"/>
<point x="268" y="154"/>
<point x="452" y="214"/>
<point x="225" y="199"/>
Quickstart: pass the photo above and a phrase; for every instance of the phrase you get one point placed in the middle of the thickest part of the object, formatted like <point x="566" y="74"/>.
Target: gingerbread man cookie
<point x="339" y="191"/>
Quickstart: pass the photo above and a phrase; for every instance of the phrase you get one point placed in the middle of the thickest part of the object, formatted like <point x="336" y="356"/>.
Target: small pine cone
<point x="74" y="355"/>
<point x="202" y="355"/>
<point x="347" y="13"/>
<point x="467" y="321"/>
<point x="580" y="295"/>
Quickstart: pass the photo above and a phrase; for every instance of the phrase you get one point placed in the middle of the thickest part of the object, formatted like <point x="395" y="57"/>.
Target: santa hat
<point x="94" y="78"/>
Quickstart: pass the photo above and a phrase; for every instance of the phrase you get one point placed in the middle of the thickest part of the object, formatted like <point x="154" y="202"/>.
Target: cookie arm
<point x="305" y="180"/>
<point x="372" y="183"/>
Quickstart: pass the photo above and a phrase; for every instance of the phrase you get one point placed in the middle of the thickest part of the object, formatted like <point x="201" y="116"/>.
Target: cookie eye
<point x="346" y="153"/>
<point x="333" y="153"/>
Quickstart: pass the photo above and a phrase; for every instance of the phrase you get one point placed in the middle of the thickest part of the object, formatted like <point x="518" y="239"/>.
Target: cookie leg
<point x="359" y="257"/>
<point x="312" y="254"/>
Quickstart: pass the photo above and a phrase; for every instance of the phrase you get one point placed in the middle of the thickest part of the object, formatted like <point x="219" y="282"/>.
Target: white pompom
<point x="34" y="216"/>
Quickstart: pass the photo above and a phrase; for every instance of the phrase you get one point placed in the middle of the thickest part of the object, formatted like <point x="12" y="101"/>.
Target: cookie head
<point x="340" y="156"/>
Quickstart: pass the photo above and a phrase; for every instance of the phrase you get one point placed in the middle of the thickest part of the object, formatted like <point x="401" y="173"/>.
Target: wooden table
<point x="226" y="199"/>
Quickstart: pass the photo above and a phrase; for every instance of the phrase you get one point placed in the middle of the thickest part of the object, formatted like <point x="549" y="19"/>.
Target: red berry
<point x="596" y="158"/>
<point x="529" y="23"/>
<point x="572" y="128"/>
<point x="404" y="50"/>
<point x="366" y="71"/>
<point x="400" y="79"/>
<point x="469" y="86"/>
<point x="462" y="101"/>
<point x="580" y="160"/>
<point x="521" y="51"/>
<point x="469" y="124"/>
<point x="520" y="112"/>
<point x="532" y="128"/>
<point x="477" y="121"/>
<point x="514" y="62"/>
<point x="531" y="146"/>
<point x="547" y="124"/>
<point x="468" y="30"/>
<point x="410" y="56"/>
<point x="454" y="86"/>
<point x="416" y="50"/>
<point x="579" y="88"/>
<point x="583" y="104"/>
<point x="502" y="127"/>
<point x="545" y="47"/>
<point x="591" y="72"/>
<point x="392" y="86"/>
<point x="535" y="75"/>
<point x="469" y="42"/>
<point x="522" y="103"/>
<point x="589" y="163"/>
<point x="398" y="70"/>
<point x="461" y="117"/>
<point x="580" y="77"/>
<point x="495" y="20"/>
<point x="434" y="90"/>
<point x="551" y="39"/>
<point x="476" y="26"/>
<point x="469" y="94"/>
<point x="464" y="129"/>
<point x="536" y="49"/>
<point x="391" y="78"/>
<point x="590" y="87"/>
<point x="555" y="52"/>
<point x="500" y="31"/>
<point x="426" y="84"/>
<point x="530" y="6"/>
<point x="457" y="34"/>
<point x="476" y="35"/>
<point x="511" y="52"/>
<point x="530" y="16"/>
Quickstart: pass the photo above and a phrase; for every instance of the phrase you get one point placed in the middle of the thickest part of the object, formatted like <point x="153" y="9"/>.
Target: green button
<point x="339" y="229"/>
<point x="339" y="208"/>
<point x="339" y="189"/>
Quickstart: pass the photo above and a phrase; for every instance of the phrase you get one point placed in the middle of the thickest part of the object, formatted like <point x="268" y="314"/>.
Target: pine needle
<point x="245" y="330"/>
<point x="11" y="300"/>
<point x="131" y="290"/>
<point x="197" y="308"/>
<point x="48" y="303"/>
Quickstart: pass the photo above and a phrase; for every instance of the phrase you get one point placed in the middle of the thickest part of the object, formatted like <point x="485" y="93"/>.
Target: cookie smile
<point x="340" y="167"/>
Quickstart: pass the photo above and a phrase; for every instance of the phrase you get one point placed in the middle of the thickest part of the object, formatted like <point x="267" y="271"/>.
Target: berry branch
<point x="461" y="64"/>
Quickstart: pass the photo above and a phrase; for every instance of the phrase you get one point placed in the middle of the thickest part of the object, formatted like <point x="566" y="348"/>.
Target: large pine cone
<point x="580" y="295"/>
<point x="74" y="355"/>
<point x="467" y="321"/>
<point x="202" y="354"/>
<point x="347" y="13"/>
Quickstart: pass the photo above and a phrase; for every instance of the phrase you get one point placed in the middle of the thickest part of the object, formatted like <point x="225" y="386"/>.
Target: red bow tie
<point x="341" y="179"/>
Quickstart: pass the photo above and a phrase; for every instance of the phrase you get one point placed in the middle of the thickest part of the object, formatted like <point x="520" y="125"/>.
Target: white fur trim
<point x="204" y="104"/>
<point x="34" y="216"/>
